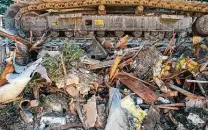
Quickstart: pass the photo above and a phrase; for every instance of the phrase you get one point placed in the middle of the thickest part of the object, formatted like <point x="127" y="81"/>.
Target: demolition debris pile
<point x="60" y="84"/>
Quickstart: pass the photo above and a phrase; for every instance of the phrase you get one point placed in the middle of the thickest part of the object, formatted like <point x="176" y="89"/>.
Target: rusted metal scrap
<point x="137" y="87"/>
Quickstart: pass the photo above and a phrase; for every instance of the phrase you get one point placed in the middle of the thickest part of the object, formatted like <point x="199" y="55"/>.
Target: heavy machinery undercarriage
<point x="83" y="18"/>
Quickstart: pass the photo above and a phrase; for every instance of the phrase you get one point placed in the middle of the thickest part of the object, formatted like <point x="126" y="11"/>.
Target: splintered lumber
<point x="137" y="87"/>
<point x="114" y="67"/>
<point x="188" y="94"/>
<point x="101" y="65"/>
<point x="15" y="38"/>
<point x="169" y="44"/>
<point x="172" y="105"/>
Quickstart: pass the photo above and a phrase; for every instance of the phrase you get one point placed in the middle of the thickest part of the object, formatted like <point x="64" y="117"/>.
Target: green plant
<point x="53" y="65"/>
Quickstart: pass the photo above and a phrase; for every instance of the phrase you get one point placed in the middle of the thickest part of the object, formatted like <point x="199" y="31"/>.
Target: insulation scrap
<point x="139" y="115"/>
<point x="195" y="119"/>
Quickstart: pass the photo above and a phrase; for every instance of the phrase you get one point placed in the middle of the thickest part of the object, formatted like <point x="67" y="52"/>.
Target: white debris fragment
<point x="70" y="79"/>
<point x="51" y="120"/>
<point x="195" y="119"/>
<point x="161" y="84"/>
<point x="163" y="100"/>
<point x="34" y="103"/>
<point x="15" y="86"/>
<point x="42" y="53"/>
<point x="42" y="71"/>
<point x="117" y="118"/>
<point x="56" y="107"/>
<point x="139" y="100"/>
<point x="26" y="116"/>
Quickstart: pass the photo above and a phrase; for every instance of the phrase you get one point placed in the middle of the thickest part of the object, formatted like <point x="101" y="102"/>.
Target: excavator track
<point x="191" y="7"/>
<point x="186" y="6"/>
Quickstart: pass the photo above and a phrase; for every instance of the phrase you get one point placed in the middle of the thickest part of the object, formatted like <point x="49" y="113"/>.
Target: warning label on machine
<point x="99" y="22"/>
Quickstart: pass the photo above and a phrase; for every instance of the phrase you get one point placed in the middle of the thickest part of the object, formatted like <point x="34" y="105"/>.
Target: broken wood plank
<point x="171" y="108"/>
<point x="172" y="105"/>
<point x="16" y="38"/>
<point x="169" y="94"/>
<point x="169" y="44"/>
<point x="101" y="65"/>
<point x="188" y="94"/>
<point x="137" y="87"/>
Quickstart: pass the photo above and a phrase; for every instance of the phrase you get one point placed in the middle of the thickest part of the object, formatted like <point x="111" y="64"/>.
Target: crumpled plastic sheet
<point x="117" y="118"/>
<point x="17" y="83"/>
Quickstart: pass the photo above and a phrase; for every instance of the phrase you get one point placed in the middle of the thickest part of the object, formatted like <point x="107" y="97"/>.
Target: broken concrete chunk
<point x="51" y="121"/>
<point x="195" y="119"/>
<point x="198" y="103"/>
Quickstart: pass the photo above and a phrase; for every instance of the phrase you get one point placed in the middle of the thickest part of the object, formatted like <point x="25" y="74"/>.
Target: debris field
<point x="126" y="83"/>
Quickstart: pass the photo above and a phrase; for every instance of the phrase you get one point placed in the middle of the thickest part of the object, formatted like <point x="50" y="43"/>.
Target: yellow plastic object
<point x="139" y="115"/>
<point x="196" y="40"/>
<point x="180" y="64"/>
<point x="193" y="66"/>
